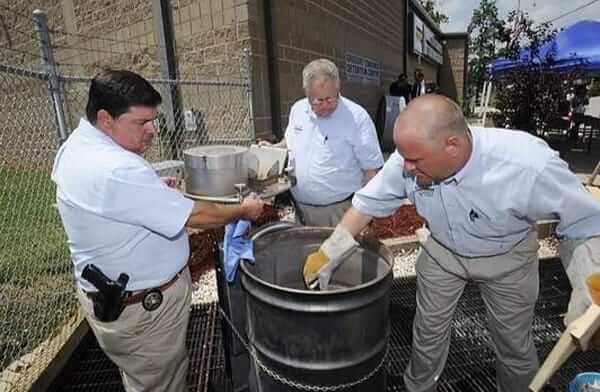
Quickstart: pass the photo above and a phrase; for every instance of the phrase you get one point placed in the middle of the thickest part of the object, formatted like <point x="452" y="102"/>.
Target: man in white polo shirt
<point x="121" y="217"/>
<point x="332" y="144"/>
<point x="481" y="192"/>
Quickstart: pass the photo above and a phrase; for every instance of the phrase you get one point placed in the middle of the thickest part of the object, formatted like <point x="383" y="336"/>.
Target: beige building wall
<point x="308" y="29"/>
<point x="210" y="36"/>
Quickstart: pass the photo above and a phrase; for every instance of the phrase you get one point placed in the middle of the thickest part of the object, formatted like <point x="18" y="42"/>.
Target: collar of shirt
<point x="87" y="128"/>
<point x="472" y="162"/>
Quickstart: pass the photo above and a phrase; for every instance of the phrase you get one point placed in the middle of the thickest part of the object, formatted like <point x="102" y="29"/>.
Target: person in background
<point x="333" y="147"/>
<point x="401" y="88"/>
<point x="122" y="218"/>
<point x="419" y="87"/>
<point x="481" y="192"/>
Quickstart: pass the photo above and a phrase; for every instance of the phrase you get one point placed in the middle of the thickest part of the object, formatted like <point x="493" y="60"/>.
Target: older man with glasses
<point x="332" y="144"/>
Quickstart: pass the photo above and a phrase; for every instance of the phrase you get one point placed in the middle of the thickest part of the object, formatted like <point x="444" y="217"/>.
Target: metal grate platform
<point x="470" y="365"/>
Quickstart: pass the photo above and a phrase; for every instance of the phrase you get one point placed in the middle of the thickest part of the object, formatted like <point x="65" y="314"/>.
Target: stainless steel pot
<point x="213" y="170"/>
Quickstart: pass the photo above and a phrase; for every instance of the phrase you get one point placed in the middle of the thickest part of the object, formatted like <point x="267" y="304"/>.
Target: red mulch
<point x="404" y="222"/>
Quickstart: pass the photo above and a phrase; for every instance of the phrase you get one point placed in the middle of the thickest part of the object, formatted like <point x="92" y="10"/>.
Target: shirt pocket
<point x="486" y="227"/>
<point x="332" y="153"/>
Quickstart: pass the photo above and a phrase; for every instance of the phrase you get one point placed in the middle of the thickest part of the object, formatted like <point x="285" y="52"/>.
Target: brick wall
<point x="210" y="37"/>
<point x="311" y="29"/>
<point x="453" y="73"/>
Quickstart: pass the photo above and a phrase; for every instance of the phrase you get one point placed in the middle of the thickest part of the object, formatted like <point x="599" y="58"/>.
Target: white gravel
<point x="548" y="247"/>
<point x="205" y="290"/>
<point x="404" y="262"/>
<point x="288" y="214"/>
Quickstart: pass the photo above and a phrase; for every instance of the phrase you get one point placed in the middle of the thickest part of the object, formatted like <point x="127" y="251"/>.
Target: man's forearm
<point x="282" y="143"/>
<point x="368" y="174"/>
<point x="355" y="221"/>
<point x="209" y="215"/>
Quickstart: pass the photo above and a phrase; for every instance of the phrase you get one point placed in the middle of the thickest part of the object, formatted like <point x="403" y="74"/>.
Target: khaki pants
<point x="509" y="285"/>
<point x="148" y="347"/>
<point x="322" y="216"/>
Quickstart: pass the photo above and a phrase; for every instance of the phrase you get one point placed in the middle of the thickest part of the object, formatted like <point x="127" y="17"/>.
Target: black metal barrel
<point x="304" y="339"/>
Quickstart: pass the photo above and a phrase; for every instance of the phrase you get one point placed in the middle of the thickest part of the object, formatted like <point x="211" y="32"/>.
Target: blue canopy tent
<point x="577" y="45"/>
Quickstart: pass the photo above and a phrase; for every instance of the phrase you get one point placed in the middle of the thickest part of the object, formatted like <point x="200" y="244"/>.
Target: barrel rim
<point x="363" y="240"/>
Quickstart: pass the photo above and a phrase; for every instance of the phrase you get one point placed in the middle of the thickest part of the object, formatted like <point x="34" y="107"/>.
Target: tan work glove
<point x="422" y="234"/>
<point x="320" y="265"/>
<point x="593" y="284"/>
<point x="581" y="259"/>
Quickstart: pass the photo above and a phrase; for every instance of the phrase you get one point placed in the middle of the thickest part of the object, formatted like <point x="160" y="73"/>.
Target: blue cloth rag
<point x="236" y="246"/>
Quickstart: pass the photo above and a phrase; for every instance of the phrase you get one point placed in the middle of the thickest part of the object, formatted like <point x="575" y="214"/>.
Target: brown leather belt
<point x="138" y="297"/>
<point x="330" y="204"/>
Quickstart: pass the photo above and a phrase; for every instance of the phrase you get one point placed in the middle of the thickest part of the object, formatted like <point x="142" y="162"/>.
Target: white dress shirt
<point x="330" y="153"/>
<point x="511" y="180"/>
<point x="117" y="212"/>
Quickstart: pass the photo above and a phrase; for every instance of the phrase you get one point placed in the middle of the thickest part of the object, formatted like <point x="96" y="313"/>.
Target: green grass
<point x="36" y="284"/>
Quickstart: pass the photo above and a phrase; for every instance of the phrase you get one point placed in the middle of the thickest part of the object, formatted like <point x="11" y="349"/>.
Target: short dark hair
<point x="116" y="91"/>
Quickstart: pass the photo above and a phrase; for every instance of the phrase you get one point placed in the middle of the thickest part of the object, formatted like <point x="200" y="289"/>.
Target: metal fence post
<point x="41" y="26"/>
<point x="250" y="92"/>
<point x="163" y="32"/>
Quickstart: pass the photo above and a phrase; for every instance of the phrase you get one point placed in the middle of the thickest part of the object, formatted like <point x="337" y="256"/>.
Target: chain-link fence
<point x="38" y="310"/>
<point x="36" y="288"/>
<point x="193" y="113"/>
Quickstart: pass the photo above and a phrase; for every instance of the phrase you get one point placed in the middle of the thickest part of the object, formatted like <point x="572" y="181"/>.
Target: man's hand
<point x="322" y="263"/>
<point x="282" y="143"/>
<point x="252" y="206"/>
<point x="314" y="262"/>
<point x="171" y="181"/>
<point x="264" y="143"/>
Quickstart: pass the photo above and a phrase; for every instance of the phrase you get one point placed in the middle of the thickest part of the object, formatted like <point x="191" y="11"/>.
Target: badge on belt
<point x="152" y="300"/>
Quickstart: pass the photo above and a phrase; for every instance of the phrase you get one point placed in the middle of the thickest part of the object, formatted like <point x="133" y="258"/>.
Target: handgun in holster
<point x="108" y="302"/>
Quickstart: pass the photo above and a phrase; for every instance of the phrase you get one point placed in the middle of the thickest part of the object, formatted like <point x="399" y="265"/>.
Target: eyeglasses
<point x="327" y="100"/>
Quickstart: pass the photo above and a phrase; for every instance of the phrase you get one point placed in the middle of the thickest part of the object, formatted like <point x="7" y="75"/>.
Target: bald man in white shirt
<point x="122" y="218"/>
<point x="481" y="192"/>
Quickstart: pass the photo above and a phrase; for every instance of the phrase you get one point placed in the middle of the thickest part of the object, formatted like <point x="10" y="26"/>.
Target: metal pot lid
<point x="215" y="151"/>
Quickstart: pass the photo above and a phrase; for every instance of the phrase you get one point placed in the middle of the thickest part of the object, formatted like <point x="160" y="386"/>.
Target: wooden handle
<point x="594" y="174"/>
<point x="576" y="336"/>
<point x="559" y="354"/>
<point x="583" y="328"/>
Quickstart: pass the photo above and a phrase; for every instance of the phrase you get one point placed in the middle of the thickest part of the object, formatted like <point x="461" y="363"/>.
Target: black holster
<point x="108" y="302"/>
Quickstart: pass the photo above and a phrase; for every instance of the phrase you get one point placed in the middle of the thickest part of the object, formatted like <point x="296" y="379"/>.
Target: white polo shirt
<point x="117" y="212"/>
<point x="511" y="180"/>
<point x="330" y="152"/>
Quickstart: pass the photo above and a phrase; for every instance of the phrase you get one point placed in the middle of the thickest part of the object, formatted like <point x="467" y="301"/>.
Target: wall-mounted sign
<point x="418" y="35"/>
<point x="424" y="41"/>
<point x="433" y="47"/>
<point x="362" y="69"/>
